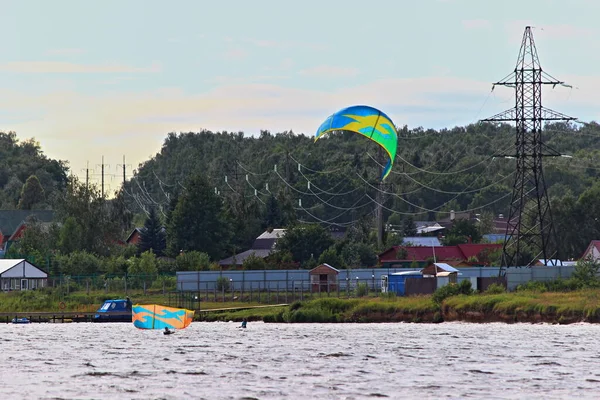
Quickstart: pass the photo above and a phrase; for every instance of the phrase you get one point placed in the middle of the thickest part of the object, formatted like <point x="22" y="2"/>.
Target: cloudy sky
<point x="111" y="78"/>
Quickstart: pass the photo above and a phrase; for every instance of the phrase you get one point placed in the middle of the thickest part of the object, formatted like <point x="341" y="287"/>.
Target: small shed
<point x="445" y="273"/>
<point x="397" y="281"/>
<point x="323" y="278"/>
<point x="20" y="274"/>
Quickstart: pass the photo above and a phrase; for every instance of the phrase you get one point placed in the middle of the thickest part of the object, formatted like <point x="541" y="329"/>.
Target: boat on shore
<point x="114" y="311"/>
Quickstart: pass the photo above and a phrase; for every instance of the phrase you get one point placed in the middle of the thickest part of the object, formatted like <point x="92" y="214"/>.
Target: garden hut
<point x="323" y="278"/>
<point x="444" y="273"/>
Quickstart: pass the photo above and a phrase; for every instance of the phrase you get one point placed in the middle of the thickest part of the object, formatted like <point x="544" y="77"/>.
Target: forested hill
<point x="435" y="171"/>
<point x="22" y="162"/>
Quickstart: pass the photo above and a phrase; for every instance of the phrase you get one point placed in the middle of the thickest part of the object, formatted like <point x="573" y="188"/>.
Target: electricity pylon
<point x="530" y="232"/>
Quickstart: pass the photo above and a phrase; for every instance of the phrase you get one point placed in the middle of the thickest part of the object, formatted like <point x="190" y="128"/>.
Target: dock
<point x="87" y="316"/>
<point x="52" y="316"/>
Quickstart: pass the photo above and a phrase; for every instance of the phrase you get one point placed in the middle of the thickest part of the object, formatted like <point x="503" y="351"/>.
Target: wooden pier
<point x="52" y="316"/>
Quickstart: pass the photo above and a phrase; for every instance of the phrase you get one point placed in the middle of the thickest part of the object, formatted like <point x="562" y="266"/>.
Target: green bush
<point x="222" y="283"/>
<point x="168" y="282"/>
<point x="362" y="289"/>
<point x="464" y="287"/>
<point x="495" y="288"/>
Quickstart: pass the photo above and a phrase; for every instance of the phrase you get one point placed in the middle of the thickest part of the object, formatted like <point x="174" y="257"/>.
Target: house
<point x="323" y="278"/>
<point x="421" y="256"/>
<point x="136" y="235"/>
<point x="18" y="234"/>
<point x="20" y="274"/>
<point x="263" y="246"/>
<point x="455" y="216"/>
<point x="430" y="228"/>
<point x="12" y="221"/>
<point x="592" y="252"/>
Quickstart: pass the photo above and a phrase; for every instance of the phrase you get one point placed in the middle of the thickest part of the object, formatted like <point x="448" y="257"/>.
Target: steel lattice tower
<point x="530" y="233"/>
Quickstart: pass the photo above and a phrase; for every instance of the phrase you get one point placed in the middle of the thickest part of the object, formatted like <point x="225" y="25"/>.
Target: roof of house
<point x="238" y="259"/>
<point x="7" y="264"/>
<point x="273" y="234"/>
<point x="23" y="269"/>
<point x="473" y="249"/>
<point x="18" y="233"/>
<point x="324" y="265"/>
<point x="421" y="241"/>
<point x="10" y="220"/>
<point x="430" y="228"/>
<point x="439" y="253"/>
<point x="593" y="243"/>
<point x="138" y="230"/>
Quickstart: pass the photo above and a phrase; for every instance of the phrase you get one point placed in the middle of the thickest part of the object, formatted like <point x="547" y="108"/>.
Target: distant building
<point x="136" y="235"/>
<point x="13" y="224"/>
<point x="263" y="246"/>
<point x="592" y="252"/>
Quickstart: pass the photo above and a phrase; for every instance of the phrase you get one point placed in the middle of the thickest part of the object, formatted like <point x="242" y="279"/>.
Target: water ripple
<point x="317" y="361"/>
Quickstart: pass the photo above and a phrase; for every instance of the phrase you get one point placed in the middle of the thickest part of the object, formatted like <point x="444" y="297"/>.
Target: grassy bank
<point x="528" y="307"/>
<point x="522" y="306"/>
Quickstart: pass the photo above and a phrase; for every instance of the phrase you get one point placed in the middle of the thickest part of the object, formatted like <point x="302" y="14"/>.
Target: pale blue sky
<point x="112" y="78"/>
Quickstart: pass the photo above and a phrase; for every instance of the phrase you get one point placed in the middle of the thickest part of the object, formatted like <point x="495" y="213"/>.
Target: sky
<point x="112" y="78"/>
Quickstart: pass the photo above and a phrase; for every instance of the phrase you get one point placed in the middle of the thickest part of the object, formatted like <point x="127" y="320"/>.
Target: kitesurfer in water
<point x="244" y="322"/>
<point x="167" y="331"/>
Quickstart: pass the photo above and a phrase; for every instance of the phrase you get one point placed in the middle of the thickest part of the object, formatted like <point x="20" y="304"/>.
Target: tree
<point x="152" y="235"/>
<point x="35" y="243"/>
<point x="273" y="214"/>
<point x="253" y="262"/>
<point x="486" y="223"/>
<point x="198" y="221"/>
<point x="192" y="261"/>
<point x="143" y="269"/>
<point x="409" y="228"/>
<point x="331" y="257"/>
<point x="586" y="272"/>
<point x="461" y="232"/>
<point x="305" y="241"/>
<point x="91" y="212"/>
<point x="31" y="194"/>
<point x="69" y="237"/>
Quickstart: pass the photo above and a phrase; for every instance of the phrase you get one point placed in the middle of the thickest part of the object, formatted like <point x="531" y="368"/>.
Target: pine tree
<point x="31" y="194"/>
<point x="152" y="235"/>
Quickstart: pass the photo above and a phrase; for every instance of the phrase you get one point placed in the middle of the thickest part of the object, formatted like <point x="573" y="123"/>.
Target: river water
<point x="300" y="361"/>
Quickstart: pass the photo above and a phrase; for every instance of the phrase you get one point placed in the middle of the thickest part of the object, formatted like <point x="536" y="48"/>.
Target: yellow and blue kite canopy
<point x="369" y="122"/>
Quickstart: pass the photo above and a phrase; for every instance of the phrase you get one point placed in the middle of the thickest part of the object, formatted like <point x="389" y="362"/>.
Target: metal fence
<point x="111" y="283"/>
<point x="282" y="285"/>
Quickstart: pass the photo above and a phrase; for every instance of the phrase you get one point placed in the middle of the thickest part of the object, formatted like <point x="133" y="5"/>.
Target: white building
<point x="21" y="275"/>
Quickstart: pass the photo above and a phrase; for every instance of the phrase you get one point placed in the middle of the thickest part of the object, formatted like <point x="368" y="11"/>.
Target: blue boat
<point x="20" y="321"/>
<point x="114" y="311"/>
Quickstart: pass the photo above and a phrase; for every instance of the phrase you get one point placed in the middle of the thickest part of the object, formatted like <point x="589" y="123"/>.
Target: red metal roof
<point x="441" y="253"/>
<point x="472" y="250"/>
